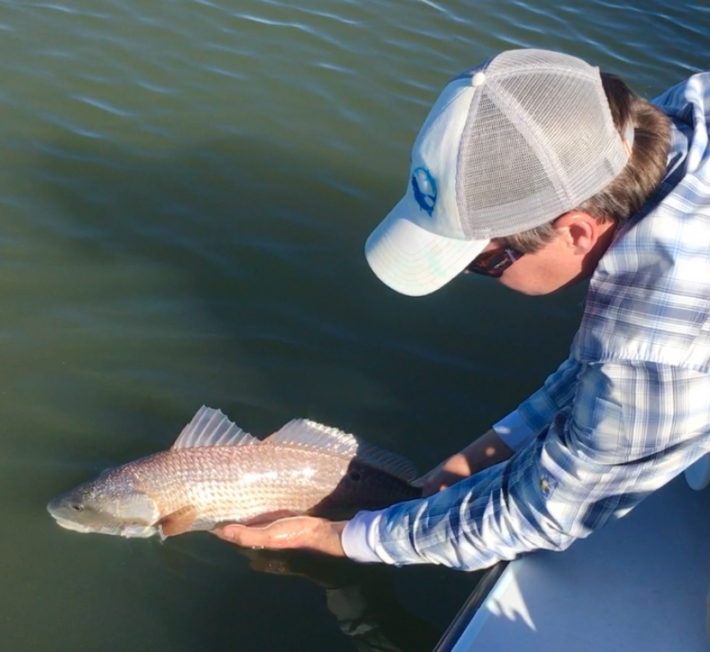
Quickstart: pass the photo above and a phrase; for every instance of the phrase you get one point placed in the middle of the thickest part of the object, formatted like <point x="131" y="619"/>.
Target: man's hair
<point x="628" y="192"/>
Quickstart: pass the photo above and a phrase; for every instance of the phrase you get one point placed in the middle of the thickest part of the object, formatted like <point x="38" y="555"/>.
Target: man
<point x="540" y="171"/>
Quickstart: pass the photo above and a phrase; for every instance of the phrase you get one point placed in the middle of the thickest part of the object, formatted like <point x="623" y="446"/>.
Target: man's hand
<point x="487" y="450"/>
<point x="293" y="533"/>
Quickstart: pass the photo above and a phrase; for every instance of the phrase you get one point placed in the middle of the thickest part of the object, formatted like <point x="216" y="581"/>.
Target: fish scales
<point x="237" y="484"/>
<point x="215" y="473"/>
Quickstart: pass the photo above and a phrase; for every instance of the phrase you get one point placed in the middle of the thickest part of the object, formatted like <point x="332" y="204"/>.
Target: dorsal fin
<point x="212" y="428"/>
<point x="309" y="434"/>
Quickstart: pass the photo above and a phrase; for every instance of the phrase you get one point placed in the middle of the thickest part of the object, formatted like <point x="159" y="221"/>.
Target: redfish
<point x="216" y="473"/>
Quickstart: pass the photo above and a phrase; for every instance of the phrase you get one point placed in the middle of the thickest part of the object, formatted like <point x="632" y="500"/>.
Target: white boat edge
<point x="641" y="583"/>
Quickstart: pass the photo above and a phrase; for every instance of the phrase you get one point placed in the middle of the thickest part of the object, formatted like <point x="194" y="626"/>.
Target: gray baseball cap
<point x="508" y="146"/>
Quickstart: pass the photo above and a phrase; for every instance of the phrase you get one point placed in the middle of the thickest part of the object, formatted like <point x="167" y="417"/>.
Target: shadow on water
<point x="292" y="601"/>
<point x="361" y="599"/>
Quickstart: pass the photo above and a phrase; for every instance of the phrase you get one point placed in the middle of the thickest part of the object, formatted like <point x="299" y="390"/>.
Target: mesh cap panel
<point x="538" y="141"/>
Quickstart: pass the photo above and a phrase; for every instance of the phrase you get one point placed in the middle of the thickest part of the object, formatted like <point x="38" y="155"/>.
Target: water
<point x="185" y="189"/>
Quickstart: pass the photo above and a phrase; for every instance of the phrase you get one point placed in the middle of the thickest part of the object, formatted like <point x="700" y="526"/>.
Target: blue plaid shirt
<point x="627" y="412"/>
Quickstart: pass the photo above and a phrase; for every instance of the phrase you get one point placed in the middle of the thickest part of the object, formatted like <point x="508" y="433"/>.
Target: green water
<point x="185" y="190"/>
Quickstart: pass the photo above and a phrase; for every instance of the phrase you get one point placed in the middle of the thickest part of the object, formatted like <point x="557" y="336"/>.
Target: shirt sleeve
<point x="519" y="427"/>
<point x="538" y="411"/>
<point x="631" y="429"/>
<point x="514" y="432"/>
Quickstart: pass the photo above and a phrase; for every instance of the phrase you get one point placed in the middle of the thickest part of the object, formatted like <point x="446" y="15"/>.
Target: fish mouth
<point x="54" y="505"/>
<point x="63" y="517"/>
<point x="72" y="525"/>
<point x="128" y="531"/>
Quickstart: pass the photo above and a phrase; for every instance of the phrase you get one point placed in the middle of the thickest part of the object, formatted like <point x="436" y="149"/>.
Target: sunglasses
<point x="494" y="263"/>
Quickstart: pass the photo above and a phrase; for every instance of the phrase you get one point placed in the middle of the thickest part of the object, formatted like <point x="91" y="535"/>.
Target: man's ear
<point x="580" y="230"/>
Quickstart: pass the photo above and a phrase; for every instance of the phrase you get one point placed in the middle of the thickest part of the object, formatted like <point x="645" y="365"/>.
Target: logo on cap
<point x="424" y="189"/>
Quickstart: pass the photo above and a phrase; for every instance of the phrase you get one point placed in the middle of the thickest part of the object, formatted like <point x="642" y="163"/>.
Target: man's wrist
<point x="359" y="537"/>
<point x="513" y="431"/>
<point x="333" y="538"/>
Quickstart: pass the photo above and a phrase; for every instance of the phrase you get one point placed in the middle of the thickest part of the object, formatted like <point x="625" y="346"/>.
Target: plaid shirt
<point x="626" y="413"/>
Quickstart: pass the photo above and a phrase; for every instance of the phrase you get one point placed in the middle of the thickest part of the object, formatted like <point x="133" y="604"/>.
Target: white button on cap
<point x="478" y="79"/>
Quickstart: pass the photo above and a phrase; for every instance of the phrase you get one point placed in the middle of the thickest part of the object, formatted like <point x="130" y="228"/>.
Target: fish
<point x="215" y="473"/>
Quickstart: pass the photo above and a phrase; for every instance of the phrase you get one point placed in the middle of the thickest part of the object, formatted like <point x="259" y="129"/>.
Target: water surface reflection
<point x="185" y="189"/>
<point x="362" y="598"/>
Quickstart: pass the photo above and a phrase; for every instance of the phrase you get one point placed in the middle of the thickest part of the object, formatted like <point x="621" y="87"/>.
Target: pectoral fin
<point x="178" y="522"/>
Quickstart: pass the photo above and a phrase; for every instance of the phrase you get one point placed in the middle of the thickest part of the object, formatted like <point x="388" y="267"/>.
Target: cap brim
<point x="412" y="260"/>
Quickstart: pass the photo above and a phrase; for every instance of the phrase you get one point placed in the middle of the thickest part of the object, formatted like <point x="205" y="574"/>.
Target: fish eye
<point x="76" y="507"/>
<point x="354" y="475"/>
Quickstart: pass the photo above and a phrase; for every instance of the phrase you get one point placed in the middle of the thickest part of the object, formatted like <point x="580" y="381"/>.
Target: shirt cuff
<point x="360" y="538"/>
<point x="514" y="432"/>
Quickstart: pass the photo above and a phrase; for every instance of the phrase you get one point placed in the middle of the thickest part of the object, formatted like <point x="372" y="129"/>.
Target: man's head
<point x="512" y="148"/>
<point x="574" y="244"/>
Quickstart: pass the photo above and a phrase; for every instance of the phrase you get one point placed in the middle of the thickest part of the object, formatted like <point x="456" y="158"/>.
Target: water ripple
<point x="70" y="155"/>
<point x="433" y="5"/>
<point x="332" y="66"/>
<point x="228" y="49"/>
<point x="69" y="10"/>
<point x="206" y="3"/>
<point x="223" y="72"/>
<point x="275" y="23"/>
<point x="154" y="88"/>
<point x="52" y="118"/>
<point x="58" y="54"/>
<point x="103" y="106"/>
<point x="312" y="12"/>
<point x="330" y="16"/>
<point x="172" y="233"/>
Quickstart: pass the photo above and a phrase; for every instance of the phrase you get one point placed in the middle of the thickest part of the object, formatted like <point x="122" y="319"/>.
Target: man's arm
<point x="320" y="535"/>
<point x="297" y="532"/>
<point x="487" y="450"/>
<point x="633" y="428"/>
<point x="510" y="434"/>
<point x="538" y="411"/>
